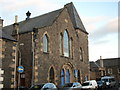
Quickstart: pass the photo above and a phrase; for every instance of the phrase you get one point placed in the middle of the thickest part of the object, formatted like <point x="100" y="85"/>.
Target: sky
<point x="100" y="18"/>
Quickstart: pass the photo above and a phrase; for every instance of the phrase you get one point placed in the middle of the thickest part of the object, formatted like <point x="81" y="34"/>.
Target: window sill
<point x="66" y="57"/>
<point x="46" y="52"/>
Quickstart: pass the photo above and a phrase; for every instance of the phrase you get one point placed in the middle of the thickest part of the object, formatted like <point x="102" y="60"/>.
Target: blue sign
<point x="20" y="69"/>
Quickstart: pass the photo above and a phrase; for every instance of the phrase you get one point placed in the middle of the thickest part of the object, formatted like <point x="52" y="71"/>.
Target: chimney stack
<point x="101" y="61"/>
<point x="16" y="19"/>
<point x="15" y="26"/>
<point x="1" y="23"/>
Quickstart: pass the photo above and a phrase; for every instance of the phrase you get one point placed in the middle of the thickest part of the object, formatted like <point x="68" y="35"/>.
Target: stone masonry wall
<point x="43" y="61"/>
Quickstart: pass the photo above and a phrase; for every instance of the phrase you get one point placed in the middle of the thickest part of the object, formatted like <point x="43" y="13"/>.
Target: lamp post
<point x="20" y="67"/>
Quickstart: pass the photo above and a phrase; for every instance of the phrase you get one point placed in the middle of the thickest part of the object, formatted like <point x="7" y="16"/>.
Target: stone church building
<point x="52" y="47"/>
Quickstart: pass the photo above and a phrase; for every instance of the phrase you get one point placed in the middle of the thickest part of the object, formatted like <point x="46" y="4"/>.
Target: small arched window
<point x="66" y="44"/>
<point x="51" y="75"/>
<point x="45" y="43"/>
<point x="79" y="76"/>
<point x="81" y="54"/>
<point x="67" y="76"/>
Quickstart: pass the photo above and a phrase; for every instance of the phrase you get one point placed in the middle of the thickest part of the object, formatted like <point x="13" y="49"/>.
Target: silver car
<point x="45" y="86"/>
<point x="71" y="86"/>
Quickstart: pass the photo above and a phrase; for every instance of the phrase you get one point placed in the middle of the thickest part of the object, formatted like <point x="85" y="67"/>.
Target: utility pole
<point x="35" y="30"/>
<point x="32" y="81"/>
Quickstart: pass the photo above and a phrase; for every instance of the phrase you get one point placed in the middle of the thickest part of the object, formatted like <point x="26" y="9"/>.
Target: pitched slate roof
<point x="109" y="62"/>
<point x="47" y="20"/>
<point x="93" y="65"/>
<point x="36" y="22"/>
<point x="6" y="36"/>
<point x="77" y="23"/>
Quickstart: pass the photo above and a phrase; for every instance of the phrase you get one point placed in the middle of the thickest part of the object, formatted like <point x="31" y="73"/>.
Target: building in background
<point x="105" y="67"/>
<point x="7" y="59"/>
<point x="94" y="71"/>
<point x="52" y="48"/>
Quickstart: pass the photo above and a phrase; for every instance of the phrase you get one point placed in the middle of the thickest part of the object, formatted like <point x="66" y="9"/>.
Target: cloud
<point x="104" y="40"/>
<point x="109" y="28"/>
<point x="11" y="6"/>
<point x="91" y="23"/>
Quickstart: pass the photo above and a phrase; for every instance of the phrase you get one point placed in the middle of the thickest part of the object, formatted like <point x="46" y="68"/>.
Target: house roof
<point x="6" y="36"/>
<point x="109" y="62"/>
<point x="47" y="20"/>
<point x="93" y="65"/>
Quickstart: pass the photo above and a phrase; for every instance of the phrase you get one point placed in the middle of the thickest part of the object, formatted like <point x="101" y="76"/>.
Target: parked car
<point x="22" y="88"/>
<point x="91" y="84"/>
<point x="101" y="84"/>
<point x="44" y="86"/>
<point x="72" y="85"/>
<point x="109" y="81"/>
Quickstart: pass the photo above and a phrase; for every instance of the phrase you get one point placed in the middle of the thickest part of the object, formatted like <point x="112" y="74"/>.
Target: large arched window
<point x="71" y="47"/>
<point x="66" y="44"/>
<point x="61" y="44"/>
<point x="67" y="76"/>
<point x="51" y="75"/>
<point x="45" y="43"/>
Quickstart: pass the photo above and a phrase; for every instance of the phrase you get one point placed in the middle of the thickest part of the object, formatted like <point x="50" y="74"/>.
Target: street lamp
<point x="20" y="67"/>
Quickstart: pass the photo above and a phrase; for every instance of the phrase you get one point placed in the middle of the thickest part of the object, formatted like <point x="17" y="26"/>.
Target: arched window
<point x="66" y="44"/>
<point x="79" y="76"/>
<point x="62" y="77"/>
<point x="81" y="55"/>
<point x="71" y="47"/>
<point x="61" y="44"/>
<point x="45" y="43"/>
<point x="51" y="75"/>
<point x="76" y="73"/>
<point x="67" y="76"/>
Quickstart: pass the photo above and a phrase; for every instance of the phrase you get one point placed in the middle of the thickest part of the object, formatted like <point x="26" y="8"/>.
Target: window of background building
<point x="45" y="43"/>
<point x="118" y="70"/>
<point x="66" y="44"/>
<point x="109" y="71"/>
<point x="81" y="54"/>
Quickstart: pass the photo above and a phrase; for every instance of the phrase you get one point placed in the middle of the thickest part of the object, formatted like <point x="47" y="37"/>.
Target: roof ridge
<point x="45" y="14"/>
<point x="76" y="20"/>
<point x="48" y="19"/>
<point x="36" y="16"/>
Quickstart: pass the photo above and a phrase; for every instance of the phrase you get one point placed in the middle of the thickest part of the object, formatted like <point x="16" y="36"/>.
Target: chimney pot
<point x="16" y="19"/>
<point x="1" y="23"/>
